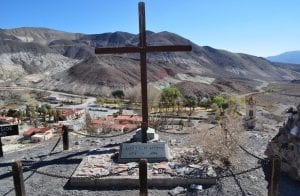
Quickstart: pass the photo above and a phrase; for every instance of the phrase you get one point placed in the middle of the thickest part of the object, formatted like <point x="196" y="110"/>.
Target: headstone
<point x="151" y="135"/>
<point x="153" y="152"/>
<point x="7" y="130"/>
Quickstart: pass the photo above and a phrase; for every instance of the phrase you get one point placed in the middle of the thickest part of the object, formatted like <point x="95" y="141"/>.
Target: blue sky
<point x="258" y="27"/>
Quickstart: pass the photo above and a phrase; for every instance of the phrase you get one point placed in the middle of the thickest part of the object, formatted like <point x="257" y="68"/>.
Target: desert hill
<point x="59" y="60"/>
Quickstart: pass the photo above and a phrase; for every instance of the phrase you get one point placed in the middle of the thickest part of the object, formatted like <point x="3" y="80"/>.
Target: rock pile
<point x="287" y="144"/>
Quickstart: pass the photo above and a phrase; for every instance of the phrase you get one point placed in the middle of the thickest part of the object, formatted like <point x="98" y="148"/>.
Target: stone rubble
<point x="184" y="163"/>
<point x="287" y="144"/>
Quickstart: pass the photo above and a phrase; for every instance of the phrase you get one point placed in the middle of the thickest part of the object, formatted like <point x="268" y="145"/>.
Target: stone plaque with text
<point x="8" y="130"/>
<point x="153" y="152"/>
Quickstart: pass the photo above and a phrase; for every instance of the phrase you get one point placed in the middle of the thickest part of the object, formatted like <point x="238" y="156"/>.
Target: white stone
<point x="211" y="172"/>
<point x="151" y="135"/>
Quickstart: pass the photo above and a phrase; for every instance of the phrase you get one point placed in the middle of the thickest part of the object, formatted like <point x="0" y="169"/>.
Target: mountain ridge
<point x="290" y="57"/>
<point x="66" y="61"/>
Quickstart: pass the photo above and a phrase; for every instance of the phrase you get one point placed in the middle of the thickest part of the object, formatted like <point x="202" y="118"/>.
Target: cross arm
<point x="174" y="48"/>
<point x="116" y="50"/>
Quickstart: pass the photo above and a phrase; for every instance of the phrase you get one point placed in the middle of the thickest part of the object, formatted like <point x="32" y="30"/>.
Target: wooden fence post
<point x="65" y="137"/>
<point x="1" y="150"/>
<point x="17" y="171"/>
<point x="275" y="175"/>
<point x="143" y="178"/>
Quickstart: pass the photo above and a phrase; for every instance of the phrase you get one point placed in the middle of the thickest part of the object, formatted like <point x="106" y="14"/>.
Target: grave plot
<point x="102" y="169"/>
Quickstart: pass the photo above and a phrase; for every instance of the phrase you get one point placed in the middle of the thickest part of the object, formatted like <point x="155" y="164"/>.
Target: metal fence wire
<point x="103" y="136"/>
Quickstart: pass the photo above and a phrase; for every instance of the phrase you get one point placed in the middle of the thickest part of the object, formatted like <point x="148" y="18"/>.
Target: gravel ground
<point x="65" y="162"/>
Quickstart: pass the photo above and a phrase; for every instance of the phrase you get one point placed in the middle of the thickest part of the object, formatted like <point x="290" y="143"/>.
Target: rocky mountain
<point x="53" y="59"/>
<point x="295" y="67"/>
<point x="291" y="57"/>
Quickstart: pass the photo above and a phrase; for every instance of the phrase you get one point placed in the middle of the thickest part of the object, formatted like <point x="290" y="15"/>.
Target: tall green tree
<point x="57" y="115"/>
<point x="44" y="111"/>
<point x="190" y="102"/>
<point x="169" y="96"/>
<point x="219" y="100"/>
<point x="30" y="112"/>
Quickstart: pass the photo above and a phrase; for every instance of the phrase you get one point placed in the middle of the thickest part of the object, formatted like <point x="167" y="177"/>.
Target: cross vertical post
<point x="143" y="45"/>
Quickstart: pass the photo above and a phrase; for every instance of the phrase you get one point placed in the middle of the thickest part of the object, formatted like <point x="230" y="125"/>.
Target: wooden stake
<point x="65" y="138"/>
<point x="275" y="175"/>
<point x="17" y="171"/>
<point x="143" y="177"/>
<point x="1" y="150"/>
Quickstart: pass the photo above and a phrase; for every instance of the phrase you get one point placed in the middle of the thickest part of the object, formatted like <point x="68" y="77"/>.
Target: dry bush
<point x="105" y="91"/>
<point x="134" y="94"/>
<point x="89" y="126"/>
<point x="219" y="143"/>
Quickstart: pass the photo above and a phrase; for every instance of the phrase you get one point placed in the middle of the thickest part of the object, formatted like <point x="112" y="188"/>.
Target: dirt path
<point x="262" y="85"/>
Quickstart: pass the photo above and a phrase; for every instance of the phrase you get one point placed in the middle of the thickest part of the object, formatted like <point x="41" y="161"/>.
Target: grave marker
<point x="143" y="49"/>
<point x="7" y="130"/>
<point x="153" y="152"/>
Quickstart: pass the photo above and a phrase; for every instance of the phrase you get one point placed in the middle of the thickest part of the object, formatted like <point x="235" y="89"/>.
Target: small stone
<point x="211" y="172"/>
<point x="154" y="171"/>
<point x="177" y="190"/>
<point x="195" y="166"/>
<point x="253" y="178"/>
<point x="162" y="165"/>
<point x="131" y="164"/>
<point x="196" y="187"/>
<point x="173" y="141"/>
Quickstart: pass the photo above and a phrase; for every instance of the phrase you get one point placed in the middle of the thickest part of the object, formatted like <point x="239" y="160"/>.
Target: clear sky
<point x="258" y="27"/>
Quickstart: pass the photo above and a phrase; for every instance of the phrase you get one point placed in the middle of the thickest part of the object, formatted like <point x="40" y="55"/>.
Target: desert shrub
<point x="118" y="94"/>
<point x="233" y="103"/>
<point x="204" y="102"/>
<point x="219" y="100"/>
<point x="270" y="90"/>
<point x="221" y="142"/>
<point x="214" y="107"/>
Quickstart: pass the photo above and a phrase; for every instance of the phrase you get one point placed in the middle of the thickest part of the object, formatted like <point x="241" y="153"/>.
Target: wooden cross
<point x="143" y="49"/>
